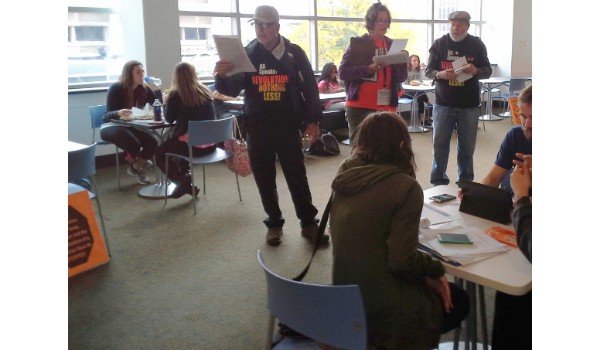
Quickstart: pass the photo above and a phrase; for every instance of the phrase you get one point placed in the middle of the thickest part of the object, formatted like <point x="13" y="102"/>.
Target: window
<point x="95" y="50"/>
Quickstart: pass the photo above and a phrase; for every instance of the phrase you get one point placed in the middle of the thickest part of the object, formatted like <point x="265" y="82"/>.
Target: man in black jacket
<point x="281" y="99"/>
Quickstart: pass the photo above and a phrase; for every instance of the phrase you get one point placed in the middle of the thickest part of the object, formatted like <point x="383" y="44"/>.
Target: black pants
<point x="460" y="300"/>
<point x="420" y="100"/>
<point x="177" y="168"/>
<point x="266" y="144"/>
<point x="138" y="143"/>
<point x="512" y="322"/>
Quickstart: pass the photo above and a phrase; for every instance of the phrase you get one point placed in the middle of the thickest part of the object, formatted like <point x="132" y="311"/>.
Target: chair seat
<point x="216" y="156"/>
<point x="76" y="188"/>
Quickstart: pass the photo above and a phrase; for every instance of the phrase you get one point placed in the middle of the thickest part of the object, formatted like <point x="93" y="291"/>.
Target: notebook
<point x="486" y="202"/>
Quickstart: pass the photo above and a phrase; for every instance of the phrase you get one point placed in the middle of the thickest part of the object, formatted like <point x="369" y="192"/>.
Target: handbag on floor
<point x="239" y="163"/>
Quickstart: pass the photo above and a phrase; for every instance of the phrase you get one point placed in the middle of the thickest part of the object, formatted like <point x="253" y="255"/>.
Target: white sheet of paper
<point x="394" y="54"/>
<point x="458" y="65"/>
<point x="230" y="48"/>
<point x="436" y="214"/>
<point x="483" y="245"/>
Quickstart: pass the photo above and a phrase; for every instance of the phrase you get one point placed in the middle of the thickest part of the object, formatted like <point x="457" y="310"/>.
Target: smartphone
<point x="441" y="198"/>
<point x="454" y="238"/>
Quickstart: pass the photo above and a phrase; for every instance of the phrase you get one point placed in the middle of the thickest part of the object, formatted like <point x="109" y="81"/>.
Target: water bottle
<point x="157" y="110"/>
<point x="153" y="80"/>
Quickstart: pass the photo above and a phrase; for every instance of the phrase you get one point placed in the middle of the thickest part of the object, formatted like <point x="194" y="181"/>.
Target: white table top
<point x="75" y="146"/>
<point x="333" y="96"/>
<point x="508" y="272"/>
<point x="418" y="87"/>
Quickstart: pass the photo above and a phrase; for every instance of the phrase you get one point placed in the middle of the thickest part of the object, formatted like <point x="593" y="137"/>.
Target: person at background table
<point x="408" y="300"/>
<point x="188" y="99"/>
<point x="280" y="100"/>
<point x="516" y="143"/>
<point x="415" y="77"/>
<point x="139" y="144"/>
<point x="328" y="84"/>
<point x="456" y="103"/>
<point x="369" y="86"/>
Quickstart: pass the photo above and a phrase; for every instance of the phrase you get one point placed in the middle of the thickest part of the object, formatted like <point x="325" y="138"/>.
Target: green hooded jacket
<point x="374" y="223"/>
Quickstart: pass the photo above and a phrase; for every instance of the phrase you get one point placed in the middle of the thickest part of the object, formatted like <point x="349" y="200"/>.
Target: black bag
<point x="326" y="145"/>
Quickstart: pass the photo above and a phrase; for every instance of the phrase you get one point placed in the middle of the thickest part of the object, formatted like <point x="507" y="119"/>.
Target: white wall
<point x="521" y="63"/>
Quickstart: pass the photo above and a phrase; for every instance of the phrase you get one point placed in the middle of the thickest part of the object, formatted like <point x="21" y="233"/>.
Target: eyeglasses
<point x="263" y="25"/>
<point x="383" y="21"/>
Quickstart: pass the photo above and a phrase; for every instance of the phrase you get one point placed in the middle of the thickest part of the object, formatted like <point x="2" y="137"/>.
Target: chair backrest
<point x="96" y="114"/>
<point x="513" y="103"/>
<point x="202" y="132"/>
<point x="82" y="163"/>
<point x="329" y="314"/>
<point x="516" y="84"/>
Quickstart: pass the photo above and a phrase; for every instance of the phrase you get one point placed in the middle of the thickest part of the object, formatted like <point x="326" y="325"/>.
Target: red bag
<point x="239" y="163"/>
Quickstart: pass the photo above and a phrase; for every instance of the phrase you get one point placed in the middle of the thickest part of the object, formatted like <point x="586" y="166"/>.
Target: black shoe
<point x="182" y="188"/>
<point x="192" y="193"/>
<point x="428" y="124"/>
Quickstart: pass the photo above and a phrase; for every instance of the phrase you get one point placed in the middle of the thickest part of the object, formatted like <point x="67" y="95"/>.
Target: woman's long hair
<point x="186" y="84"/>
<point x="383" y="138"/>
<point x="409" y="66"/>
<point x="326" y="73"/>
<point x="126" y="80"/>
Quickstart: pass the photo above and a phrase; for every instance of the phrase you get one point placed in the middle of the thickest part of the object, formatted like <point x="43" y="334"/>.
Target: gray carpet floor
<point x="183" y="281"/>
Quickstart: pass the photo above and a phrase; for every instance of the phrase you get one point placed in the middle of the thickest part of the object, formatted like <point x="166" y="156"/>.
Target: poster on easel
<point x="86" y="244"/>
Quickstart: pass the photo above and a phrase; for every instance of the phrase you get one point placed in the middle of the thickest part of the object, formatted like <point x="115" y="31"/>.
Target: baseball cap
<point x="459" y="16"/>
<point x="265" y="14"/>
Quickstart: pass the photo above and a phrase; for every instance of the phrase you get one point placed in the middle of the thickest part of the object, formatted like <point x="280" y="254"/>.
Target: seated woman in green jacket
<point x="374" y="222"/>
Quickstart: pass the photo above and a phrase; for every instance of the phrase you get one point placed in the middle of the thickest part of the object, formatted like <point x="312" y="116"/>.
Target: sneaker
<point x="274" y="235"/>
<point x="140" y="176"/>
<point x="311" y="231"/>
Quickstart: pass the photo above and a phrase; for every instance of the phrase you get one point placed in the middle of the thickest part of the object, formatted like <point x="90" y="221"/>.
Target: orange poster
<point x="86" y="245"/>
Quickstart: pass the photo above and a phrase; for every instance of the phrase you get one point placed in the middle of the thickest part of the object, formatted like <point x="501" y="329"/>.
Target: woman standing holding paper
<point x="369" y="86"/>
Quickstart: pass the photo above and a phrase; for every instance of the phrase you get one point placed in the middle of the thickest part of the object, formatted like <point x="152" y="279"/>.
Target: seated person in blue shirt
<point x="517" y="140"/>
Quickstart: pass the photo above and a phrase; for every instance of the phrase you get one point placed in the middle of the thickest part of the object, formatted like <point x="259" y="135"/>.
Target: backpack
<point x="326" y="145"/>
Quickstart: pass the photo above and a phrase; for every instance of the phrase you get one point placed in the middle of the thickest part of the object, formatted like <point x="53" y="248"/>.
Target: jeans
<point x="444" y="121"/>
<point x="267" y="143"/>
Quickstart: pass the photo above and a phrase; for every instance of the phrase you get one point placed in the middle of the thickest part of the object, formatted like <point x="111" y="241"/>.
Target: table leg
<point x="414" y="112"/>
<point x="157" y="190"/>
<point x="489" y="116"/>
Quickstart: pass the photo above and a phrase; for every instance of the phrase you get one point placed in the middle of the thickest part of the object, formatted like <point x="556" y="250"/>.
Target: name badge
<point x="384" y="97"/>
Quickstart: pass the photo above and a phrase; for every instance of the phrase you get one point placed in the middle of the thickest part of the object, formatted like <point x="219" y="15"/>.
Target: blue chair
<point x="515" y="85"/>
<point x="82" y="164"/>
<point x="202" y="132"/>
<point x="96" y="114"/>
<point x="327" y="314"/>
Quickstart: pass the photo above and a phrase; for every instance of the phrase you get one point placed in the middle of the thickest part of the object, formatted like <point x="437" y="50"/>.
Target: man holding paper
<point x="457" y="61"/>
<point x="281" y="98"/>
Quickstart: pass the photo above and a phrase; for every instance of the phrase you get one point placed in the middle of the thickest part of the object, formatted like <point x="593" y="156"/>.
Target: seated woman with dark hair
<point x="328" y="84"/>
<point x="374" y="219"/>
